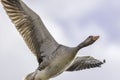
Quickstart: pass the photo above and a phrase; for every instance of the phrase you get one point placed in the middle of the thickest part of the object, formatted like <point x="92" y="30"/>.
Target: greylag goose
<point x="53" y="58"/>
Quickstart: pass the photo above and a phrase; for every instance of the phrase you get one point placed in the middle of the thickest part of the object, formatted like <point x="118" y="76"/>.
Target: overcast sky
<point x="69" y="22"/>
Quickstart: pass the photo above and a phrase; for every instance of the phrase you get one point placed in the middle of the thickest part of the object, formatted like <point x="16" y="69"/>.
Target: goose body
<point x="53" y="58"/>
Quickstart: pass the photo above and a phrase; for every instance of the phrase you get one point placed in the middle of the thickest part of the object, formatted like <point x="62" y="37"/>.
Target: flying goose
<point x="53" y="58"/>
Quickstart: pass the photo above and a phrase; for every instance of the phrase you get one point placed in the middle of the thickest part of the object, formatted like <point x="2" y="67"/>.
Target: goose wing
<point x="84" y="62"/>
<point x="31" y="27"/>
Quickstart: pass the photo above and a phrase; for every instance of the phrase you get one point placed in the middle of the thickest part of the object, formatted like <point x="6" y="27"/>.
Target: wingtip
<point x="104" y="61"/>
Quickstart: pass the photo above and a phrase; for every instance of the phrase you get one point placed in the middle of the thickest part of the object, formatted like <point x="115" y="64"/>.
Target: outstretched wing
<point x="84" y="62"/>
<point x="31" y="28"/>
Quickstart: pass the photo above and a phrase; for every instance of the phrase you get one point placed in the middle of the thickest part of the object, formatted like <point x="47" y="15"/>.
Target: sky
<point x="69" y="22"/>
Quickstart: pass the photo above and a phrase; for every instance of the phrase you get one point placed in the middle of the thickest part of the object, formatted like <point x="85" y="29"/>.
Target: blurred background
<point x="69" y="22"/>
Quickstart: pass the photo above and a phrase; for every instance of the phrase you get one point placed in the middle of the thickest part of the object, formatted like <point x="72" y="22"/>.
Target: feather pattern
<point x="31" y="27"/>
<point x="84" y="62"/>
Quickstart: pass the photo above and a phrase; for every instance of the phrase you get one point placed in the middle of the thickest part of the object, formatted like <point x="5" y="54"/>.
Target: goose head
<point x="90" y="40"/>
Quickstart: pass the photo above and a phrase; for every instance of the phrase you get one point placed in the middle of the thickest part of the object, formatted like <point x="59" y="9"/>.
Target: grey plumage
<point x="84" y="62"/>
<point x="52" y="57"/>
